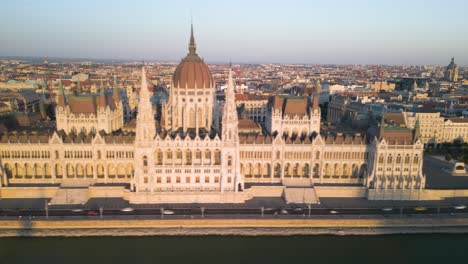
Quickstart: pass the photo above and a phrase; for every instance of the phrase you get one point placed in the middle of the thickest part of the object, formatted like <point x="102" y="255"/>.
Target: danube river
<point x="218" y="249"/>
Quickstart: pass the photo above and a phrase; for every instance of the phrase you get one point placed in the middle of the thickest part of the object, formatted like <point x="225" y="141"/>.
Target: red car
<point x="92" y="213"/>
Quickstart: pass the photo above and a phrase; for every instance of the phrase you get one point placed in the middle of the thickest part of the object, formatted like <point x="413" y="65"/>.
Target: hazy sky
<point x="246" y="31"/>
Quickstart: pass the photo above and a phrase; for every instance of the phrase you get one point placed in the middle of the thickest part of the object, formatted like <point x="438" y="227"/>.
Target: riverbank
<point x="243" y="227"/>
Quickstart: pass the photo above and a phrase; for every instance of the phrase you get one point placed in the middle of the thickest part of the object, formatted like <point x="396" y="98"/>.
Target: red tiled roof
<point x="192" y="72"/>
<point x="296" y="107"/>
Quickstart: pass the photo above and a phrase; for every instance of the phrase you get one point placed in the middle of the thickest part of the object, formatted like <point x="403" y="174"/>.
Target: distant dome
<point x="192" y="72"/>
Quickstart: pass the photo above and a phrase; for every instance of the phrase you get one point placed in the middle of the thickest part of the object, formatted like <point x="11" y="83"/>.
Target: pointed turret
<point x="102" y="96"/>
<point x="230" y="119"/>
<point x="146" y="125"/>
<point x="61" y="96"/>
<point x="115" y="94"/>
<point x="417" y="130"/>
<point x="78" y="87"/>
<point x="382" y="127"/>
<point x="231" y="173"/>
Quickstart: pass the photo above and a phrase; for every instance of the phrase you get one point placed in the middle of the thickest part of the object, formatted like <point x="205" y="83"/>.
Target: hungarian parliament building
<point x="198" y="150"/>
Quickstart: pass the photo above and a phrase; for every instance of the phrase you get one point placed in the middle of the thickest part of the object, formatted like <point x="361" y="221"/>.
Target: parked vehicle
<point x="127" y="209"/>
<point x="387" y="209"/>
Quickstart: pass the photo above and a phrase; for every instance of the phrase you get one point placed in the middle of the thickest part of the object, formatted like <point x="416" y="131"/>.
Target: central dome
<point x="192" y="72"/>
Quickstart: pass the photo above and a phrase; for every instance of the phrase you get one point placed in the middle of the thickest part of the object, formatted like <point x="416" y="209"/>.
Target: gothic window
<point x="188" y="157"/>
<point x="407" y="159"/>
<point x="277" y="171"/>
<point x="145" y="161"/>
<point x="398" y="159"/>
<point x="217" y="157"/>
<point x="389" y="159"/>
<point x="381" y="159"/>
<point x="317" y="155"/>
<point x="229" y="161"/>
<point x="416" y="159"/>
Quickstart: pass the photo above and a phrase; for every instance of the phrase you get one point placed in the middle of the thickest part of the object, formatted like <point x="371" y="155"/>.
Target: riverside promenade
<point x="248" y="227"/>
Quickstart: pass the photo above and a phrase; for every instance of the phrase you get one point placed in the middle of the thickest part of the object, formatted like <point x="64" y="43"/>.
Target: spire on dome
<point x="192" y="46"/>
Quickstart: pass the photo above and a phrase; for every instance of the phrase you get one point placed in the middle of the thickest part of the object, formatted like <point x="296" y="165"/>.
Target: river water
<point x="235" y="249"/>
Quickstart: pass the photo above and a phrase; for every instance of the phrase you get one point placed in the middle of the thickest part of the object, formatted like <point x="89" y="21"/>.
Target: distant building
<point x="451" y="73"/>
<point x="382" y="86"/>
<point x="89" y="113"/>
<point x="293" y="116"/>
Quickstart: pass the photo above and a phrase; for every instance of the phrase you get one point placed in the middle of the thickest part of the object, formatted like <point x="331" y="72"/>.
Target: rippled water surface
<point x="232" y="249"/>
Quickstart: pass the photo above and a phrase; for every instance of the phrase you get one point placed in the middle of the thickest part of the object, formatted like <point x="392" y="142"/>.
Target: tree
<point x="448" y="157"/>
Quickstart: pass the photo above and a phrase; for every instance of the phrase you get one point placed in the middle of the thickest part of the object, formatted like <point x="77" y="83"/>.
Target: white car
<point x="127" y="209"/>
<point x="77" y="210"/>
<point x="459" y="207"/>
<point x="333" y="212"/>
<point x="168" y="212"/>
<point x="387" y="209"/>
<point x="284" y="211"/>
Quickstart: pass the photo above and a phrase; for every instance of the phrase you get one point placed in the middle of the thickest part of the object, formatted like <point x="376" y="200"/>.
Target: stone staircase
<point x="72" y="192"/>
<point x="300" y="195"/>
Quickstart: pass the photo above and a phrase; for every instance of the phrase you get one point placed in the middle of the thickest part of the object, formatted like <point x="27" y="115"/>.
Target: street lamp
<point x="162" y="212"/>
<point x="46" y="209"/>
<point x="309" y="207"/>
<point x="202" y="212"/>
<point x="262" y="209"/>
<point x="101" y="211"/>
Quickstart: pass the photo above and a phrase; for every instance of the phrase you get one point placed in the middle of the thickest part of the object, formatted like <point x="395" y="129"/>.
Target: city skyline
<point x="301" y="32"/>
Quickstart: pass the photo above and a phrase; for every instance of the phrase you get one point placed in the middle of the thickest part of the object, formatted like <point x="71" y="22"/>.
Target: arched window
<point x="389" y="159"/>
<point x="407" y="159"/>
<point x="416" y="159"/>
<point x="317" y="155"/>
<point x="277" y="170"/>
<point x="398" y="159"/>
<point x="145" y="161"/>
<point x="381" y="158"/>
<point x="158" y="157"/>
<point x="217" y="157"/>
<point x="229" y="161"/>
<point x="188" y="157"/>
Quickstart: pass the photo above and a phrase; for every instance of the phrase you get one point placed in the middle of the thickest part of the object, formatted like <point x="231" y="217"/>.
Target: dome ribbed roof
<point x="192" y="72"/>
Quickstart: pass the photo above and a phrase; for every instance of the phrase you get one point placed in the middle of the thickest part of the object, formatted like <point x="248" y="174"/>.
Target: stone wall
<point x="341" y="191"/>
<point x="27" y="192"/>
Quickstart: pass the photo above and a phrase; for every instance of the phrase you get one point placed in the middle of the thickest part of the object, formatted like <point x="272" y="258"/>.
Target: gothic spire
<point x="145" y="127"/>
<point x="78" y="87"/>
<point x="102" y="96"/>
<point x="61" y="97"/>
<point x="115" y="95"/>
<point x="192" y="46"/>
